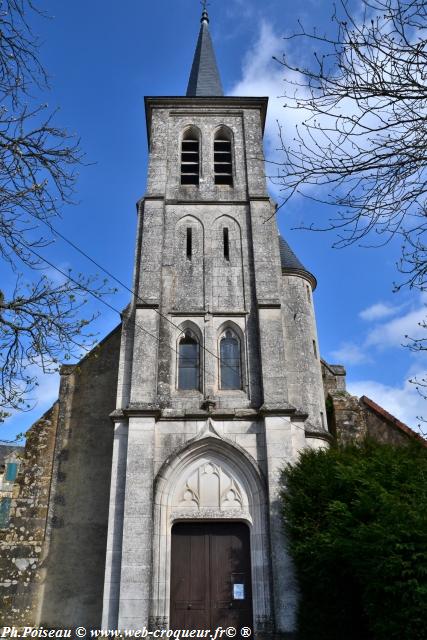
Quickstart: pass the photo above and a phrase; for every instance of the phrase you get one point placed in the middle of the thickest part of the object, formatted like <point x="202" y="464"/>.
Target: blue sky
<point x="103" y="57"/>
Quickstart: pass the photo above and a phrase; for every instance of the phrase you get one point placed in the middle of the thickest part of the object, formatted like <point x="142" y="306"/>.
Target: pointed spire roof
<point x="204" y="77"/>
<point x="291" y="264"/>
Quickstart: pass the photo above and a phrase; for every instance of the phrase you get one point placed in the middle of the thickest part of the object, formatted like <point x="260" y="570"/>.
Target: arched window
<point x="190" y="158"/>
<point x="231" y="375"/>
<point x="223" y="160"/>
<point x="188" y="362"/>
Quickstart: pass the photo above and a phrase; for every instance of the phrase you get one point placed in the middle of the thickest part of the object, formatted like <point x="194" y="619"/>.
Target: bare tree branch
<point x="40" y="323"/>
<point x="361" y="147"/>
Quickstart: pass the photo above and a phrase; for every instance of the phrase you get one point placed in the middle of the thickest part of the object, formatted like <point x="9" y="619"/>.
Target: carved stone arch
<point x="225" y="217"/>
<point x="190" y="218"/>
<point x="229" y="324"/>
<point x="210" y="478"/>
<point x="190" y="128"/>
<point x="189" y="325"/>
<point x="223" y="129"/>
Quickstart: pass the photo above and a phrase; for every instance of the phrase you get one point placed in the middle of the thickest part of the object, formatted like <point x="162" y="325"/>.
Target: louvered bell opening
<point x="223" y="162"/>
<point x="190" y="161"/>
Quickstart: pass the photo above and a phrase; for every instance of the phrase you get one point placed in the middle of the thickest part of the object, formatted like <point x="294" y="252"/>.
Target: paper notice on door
<point x="238" y="591"/>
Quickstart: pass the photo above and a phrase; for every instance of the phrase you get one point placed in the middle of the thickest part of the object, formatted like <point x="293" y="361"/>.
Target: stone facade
<point x="41" y="507"/>
<point x="164" y="435"/>
<point x="128" y="450"/>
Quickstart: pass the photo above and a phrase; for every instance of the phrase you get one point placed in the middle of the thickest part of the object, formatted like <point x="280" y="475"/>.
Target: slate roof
<point x="204" y="77"/>
<point x="291" y="264"/>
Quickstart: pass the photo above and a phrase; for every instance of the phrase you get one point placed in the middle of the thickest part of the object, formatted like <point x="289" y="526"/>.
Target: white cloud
<point x="378" y="312"/>
<point x="47" y="390"/>
<point x="385" y="335"/>
<point x="404" y="402"/>
<point x="262" y="76"/>
<point x="392" y="333"/>
<point x="350" y="353"/>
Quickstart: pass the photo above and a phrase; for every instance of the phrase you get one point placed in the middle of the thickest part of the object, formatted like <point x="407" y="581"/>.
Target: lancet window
<point x="190" y="158"/>
<point x="230" y="361"/>
<point x="223" y="159"/>
<point x="189" y="362"/>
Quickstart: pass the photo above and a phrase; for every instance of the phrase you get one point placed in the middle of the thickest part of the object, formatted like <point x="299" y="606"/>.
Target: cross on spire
<point x="205" y="16"/>
<point x="204" y="77"/>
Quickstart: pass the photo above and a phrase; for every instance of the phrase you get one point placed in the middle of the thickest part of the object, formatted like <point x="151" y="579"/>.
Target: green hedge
<point x="356" y="519"/>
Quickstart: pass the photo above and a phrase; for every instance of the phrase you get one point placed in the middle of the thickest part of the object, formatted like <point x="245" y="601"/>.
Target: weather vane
<point x="204" y="4"/>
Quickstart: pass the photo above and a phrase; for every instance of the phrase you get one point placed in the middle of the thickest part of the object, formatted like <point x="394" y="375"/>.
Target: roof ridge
<point x="392" y="419"/>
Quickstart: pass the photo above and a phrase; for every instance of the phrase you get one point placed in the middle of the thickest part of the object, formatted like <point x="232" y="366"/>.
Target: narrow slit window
<point x="231" y="373"/>
<point x="314" y="348"/>
<point x="223" y="161"/>
<point x="226" y="244"/>
<point x="190" y="159"/>
<point x="308" y="293"/>
<point x="189" y="243"/>
<point x="188" y="363"/>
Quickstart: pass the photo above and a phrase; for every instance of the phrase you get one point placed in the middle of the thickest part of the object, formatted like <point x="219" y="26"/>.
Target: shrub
<point x="356" y="518"/>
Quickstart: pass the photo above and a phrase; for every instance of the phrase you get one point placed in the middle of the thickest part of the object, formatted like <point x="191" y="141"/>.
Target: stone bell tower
<point x="220" y="381"/>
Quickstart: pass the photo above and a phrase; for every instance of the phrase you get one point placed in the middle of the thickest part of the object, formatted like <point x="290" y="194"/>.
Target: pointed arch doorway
<point x="211" y="481"/>
<point x="211" y="576"/>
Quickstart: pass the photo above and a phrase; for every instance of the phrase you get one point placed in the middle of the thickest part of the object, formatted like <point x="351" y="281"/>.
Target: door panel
<point x="189" y="584"/>
<point x="211" y="576"/>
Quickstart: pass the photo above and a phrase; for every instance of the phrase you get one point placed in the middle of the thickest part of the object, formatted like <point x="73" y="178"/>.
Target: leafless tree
<point x="364" y="138"/>
<point x="40" y="323"/>
<point x="362" y="143"/>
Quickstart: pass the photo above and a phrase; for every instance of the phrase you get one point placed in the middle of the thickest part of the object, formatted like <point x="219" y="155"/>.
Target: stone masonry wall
<point x="52" y="555"/>
<point x="352" y="419"/>
<point x="78" y="516"/>
<point x="22" y="543"/>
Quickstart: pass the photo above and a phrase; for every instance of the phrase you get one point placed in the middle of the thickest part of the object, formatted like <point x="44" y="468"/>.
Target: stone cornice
<point x="207" y="103"/>
<point x="302" y="273"/>
<point x="319" y="435"/>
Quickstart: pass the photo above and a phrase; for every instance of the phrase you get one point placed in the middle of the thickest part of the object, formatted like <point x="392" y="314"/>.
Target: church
<point x="148" y="496"/>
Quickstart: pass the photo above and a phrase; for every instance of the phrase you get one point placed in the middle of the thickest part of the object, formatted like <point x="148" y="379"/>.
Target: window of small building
<point x="190" y="159"/>
<point x="189" y="363"/>
<point x="11" y="471"/>
<point x="230" y="360"/>
<point x="223" y="160"/>
<point x="4" y="512"/>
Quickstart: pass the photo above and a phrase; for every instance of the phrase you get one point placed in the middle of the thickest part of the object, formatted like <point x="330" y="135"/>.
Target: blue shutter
<point x="11" y="471"/>
<point x="4" y="512"/>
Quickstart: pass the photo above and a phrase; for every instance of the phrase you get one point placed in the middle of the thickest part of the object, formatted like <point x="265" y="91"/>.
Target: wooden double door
<point x="211" y="576"/>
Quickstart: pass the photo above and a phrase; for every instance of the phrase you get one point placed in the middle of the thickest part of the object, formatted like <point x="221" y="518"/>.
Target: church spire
<point x="204" y="77"/>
